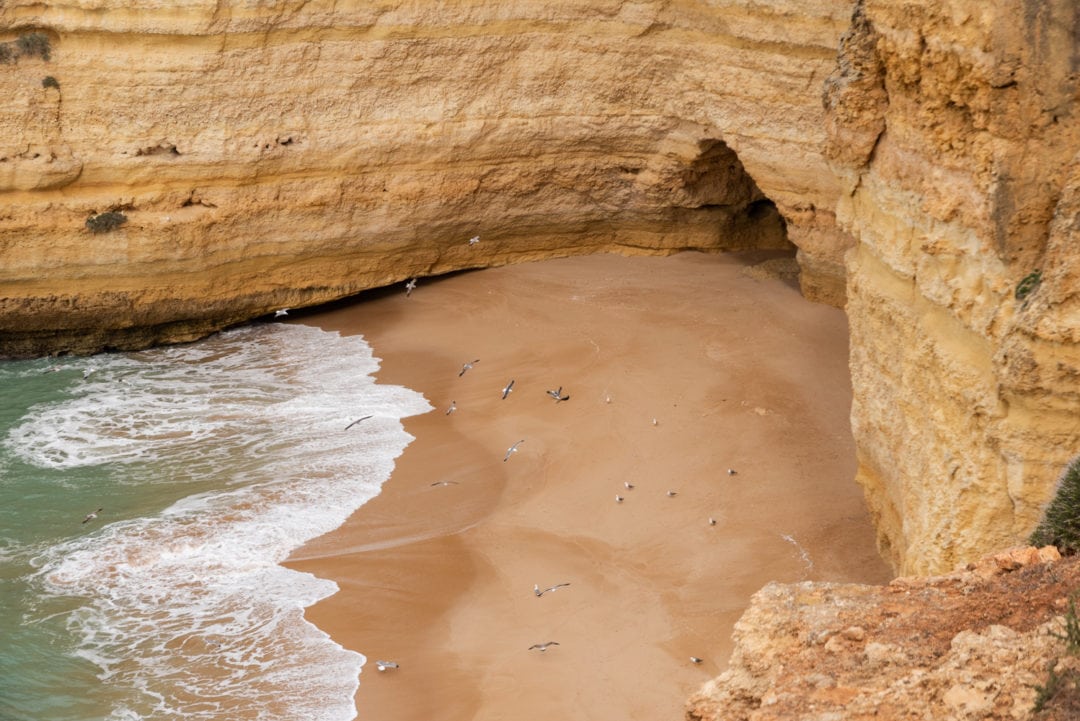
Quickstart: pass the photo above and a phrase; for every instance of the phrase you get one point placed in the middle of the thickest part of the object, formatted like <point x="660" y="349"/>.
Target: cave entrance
<point x="716" y="182"/>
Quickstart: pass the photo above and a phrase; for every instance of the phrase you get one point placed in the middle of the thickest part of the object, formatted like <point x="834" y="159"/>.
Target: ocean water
<point x="211" y="462"/>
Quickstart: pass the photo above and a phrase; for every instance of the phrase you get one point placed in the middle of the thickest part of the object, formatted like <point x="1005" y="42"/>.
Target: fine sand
<point x="677" y="369"/>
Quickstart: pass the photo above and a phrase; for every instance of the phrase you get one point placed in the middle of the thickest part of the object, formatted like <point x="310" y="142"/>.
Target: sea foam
<point x="186" y="611"/>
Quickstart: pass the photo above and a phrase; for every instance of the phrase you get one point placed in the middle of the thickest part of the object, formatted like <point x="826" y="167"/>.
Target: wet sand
<point x="677" y="369"/>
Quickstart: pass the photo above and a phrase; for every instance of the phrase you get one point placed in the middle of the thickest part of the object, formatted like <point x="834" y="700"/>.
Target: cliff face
<point x="953" y="126"/>
<point x="272" y="154"/>
<point x="971" y="645"/>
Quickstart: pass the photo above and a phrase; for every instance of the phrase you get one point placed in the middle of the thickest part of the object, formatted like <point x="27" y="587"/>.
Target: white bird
<point x="466" y="366"/>
<point x="384" y="665"/>
<point x="410" y="287"/>
<point x="86" y="373"/>
<point x="618" y="498"/>
<point x="541" y="591"/>
<point x="506" y="391"/>
<point x="281" y="312"/>
<point x="712" y="521"/>
<point x="558" y="396"/>
<point x="452" y="408"/>
<point x="92" y="516"/>
<point x="474" y="240"/>
<point x="695" y="659"/>
<point x="731" y="471"/>
<point x="672" y="494"/>
<point x="655" y="422"/>
<point x="543" y="646"/>
<point x="356" y="421"/>
<point x="512" y="449"/>
<point x="629" y="485"/>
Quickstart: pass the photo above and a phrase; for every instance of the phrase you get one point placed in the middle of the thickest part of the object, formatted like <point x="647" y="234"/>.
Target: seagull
<point x="558" y="396"/>
<point x="618" y="498"/>
<point x="452" y="408"/>
<point x="731" y="471"/>
<point x="629" y="485"/>
<point x="672" y="494"/>
<point x="52" y="369"/>
<point x="356" y="421"/>
<point x="695" y="659"/>
<point x="445" y="483"/>
<point x="410" y="287"/>
<point x="506" y="391"/>
<point x="543" y="646"/>
<point x="92" y="516"/>
<point x="86" y="373"/>
<point x="474" y="240"/>
<point x="655" y="422"/>
<point x="712" y="521"/>
<point x="466" y="366"/>
<point x="281" y="312"/>
<point x="541" y="591"/>
<point x="383" y="665"/>
<point x="512" y="449"/>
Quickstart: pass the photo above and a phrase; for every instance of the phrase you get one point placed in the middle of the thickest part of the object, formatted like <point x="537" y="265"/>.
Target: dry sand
<point x="677" y="369"/>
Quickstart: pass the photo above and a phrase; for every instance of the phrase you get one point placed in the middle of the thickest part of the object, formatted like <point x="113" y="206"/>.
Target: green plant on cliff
<point x="1028" y="284"/>
<point x="34" y="44"/>
<point x="1060" y="525"/>
<point x="50" y="82"/>
<point x="104" y="222"/>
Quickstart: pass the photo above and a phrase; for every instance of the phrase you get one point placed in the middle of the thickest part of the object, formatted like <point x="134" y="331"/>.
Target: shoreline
<point x="736" y="372"/>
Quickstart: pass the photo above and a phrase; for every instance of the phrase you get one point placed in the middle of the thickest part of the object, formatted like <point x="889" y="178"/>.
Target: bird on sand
<point x="618" y="498"/>
<point x="629" y="485"/>
<point x="695" y="659"/>
<point x="466" y="366"/>
<point x="512" y="449"/>
<point x="558" y="396"/>
<point x="712" y="521"/>
<point x="92" y="516"/>
<point x="543" y="646"/>
<point x="356" y="421"/>
<point x="506" y="391"/>
<point x="410" y="287"/>
<point x="384" y="665"/>
<point x="731" y="471"/>
<point x="541" y="591"/>
<point x="452" y="408"/>
<point x="280" y="312"/>
<point x="672" y="494"/>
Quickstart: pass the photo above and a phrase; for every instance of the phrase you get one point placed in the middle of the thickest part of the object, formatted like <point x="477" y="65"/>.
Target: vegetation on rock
<point x="104" y="222"/>
<point x="1060" y="525"/>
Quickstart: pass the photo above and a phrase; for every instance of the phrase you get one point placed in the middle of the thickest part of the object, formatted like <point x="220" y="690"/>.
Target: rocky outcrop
<point x="953" y="127"/>
<point x="271" y="154"/>
<point x="975" y="644"/>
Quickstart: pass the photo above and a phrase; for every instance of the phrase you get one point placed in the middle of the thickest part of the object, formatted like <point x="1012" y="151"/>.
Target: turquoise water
<point x="211" y="462"/>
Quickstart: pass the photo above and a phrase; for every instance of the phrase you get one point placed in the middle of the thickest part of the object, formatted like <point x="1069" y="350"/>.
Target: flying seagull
<point x="541" y="591"/>
<point x="356" y="421"/>
<point x="466" y="366"/>
<point x="512" y="449"/>
<point x="445" y="483"/>
<point x="452" y="408"/>
<point x="281" y="312"/>
<point x="558" y="396"/>
<point x="543" y="646"/>
<point x="474" y="240"/>
<point x="92" y="516"/>
<point x="410" y="287"/>
<point x="506" y="391"/>
<point x="383" y="665"/>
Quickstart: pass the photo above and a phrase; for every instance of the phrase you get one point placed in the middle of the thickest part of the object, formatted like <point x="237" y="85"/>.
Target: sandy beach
<point x="677" y="369"/>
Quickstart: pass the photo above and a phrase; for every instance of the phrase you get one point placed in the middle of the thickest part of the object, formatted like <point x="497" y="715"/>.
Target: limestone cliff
<point x="954" y="128"/>
<point x="975" y="644"/>
<point x="269" y="154"/>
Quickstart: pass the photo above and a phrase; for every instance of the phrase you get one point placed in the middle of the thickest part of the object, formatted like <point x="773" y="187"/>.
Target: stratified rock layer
<point x="954" y="127"/>
<point x="271" y="155"/>
<point x="971" y="645"/>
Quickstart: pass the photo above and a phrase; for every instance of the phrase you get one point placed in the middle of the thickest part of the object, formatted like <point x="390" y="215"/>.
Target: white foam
<point x="189" y="610"/>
